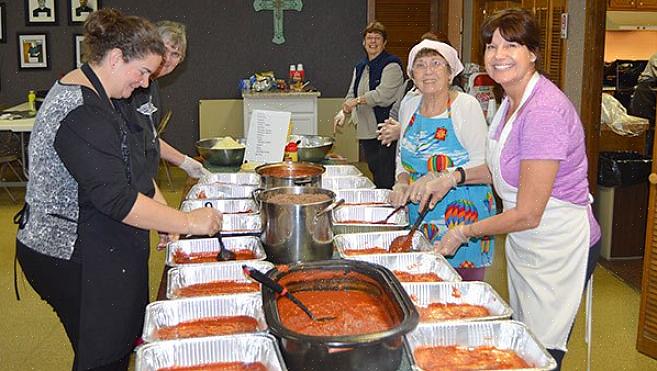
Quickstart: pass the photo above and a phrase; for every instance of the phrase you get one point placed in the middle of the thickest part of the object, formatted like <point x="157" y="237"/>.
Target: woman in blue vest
<point x="374" y="88"/>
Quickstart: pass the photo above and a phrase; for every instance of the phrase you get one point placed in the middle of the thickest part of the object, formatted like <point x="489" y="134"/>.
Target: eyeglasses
<point x="435" y="64"/>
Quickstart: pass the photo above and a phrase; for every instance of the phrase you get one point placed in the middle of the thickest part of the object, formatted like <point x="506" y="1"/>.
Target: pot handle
<point x="254" y="194"/>
<point x="329" y="208"/>
<point x="302" y="181"/>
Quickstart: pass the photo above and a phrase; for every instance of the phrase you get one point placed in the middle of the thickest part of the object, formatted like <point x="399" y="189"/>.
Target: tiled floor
<point x="31" y="337"/>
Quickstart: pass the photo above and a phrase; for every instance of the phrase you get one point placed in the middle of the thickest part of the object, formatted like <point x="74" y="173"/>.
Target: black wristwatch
<point x="462" y="172"/>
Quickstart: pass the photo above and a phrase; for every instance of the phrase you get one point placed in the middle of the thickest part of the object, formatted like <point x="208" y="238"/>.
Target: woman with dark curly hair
<point x="83" y="232"/>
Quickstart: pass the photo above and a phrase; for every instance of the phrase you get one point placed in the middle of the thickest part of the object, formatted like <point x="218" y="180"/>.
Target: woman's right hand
<point x="204" y="221"/>
<point x="399" y="194"/>
<point x="389" y="131"/>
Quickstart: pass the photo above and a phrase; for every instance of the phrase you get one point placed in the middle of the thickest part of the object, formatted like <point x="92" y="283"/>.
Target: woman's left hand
<point x="165" y="239"/>
<point x="451" y="241"/>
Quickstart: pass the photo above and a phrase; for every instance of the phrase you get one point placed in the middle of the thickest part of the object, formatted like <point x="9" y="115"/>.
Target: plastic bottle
<point x="293" y="72"/>
<point x="291" y="152"/>
<point x="301" y="72"/>
<point x="31" y="101"/>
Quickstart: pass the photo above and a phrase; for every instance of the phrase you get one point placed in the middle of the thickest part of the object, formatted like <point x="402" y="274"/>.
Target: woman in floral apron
<point x="537" y="162"/>
<point x="443" y="131"/>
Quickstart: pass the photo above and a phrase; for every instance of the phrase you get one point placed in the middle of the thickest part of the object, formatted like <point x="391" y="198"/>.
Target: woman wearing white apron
<point x="537" y="163"/>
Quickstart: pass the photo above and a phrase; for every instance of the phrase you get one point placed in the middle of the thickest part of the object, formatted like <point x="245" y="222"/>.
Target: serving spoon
<point x="276" y="287"/>
<point x="404" y="243"/>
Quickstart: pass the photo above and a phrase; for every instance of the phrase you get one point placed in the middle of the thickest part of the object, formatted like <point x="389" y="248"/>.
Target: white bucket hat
<point x="447" y="52"/>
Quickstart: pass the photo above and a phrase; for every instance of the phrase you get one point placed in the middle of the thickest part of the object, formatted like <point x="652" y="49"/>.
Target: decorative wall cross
<point x="278" y="6"/>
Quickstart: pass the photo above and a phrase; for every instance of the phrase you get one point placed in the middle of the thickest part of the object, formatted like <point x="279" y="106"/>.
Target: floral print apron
<point x="430" y="144"/>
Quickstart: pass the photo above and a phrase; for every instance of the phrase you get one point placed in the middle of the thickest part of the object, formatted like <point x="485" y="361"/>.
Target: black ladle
<point x="276" y="287"/>
<point x="224" y="254"/>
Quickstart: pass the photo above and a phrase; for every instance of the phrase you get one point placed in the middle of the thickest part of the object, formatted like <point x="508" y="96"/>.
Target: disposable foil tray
<point x="413" y="262"/>
<point x="360" y="241"/>
<point x="237" y="224"/>
<point x="230" y="206"/>
<point x="168" y="313"/>
<point x="203" y="245"/>
<point x="364" y="197"/>
<point x="508" y="335"/>
<point x="187" y="275"/>
<point x="367" y="216"/>
<point x="219" y="191"/>
<point x="341" y="170"/>
<point x="247" y="178"/>
<point x="190" y="352"/>
<point x="475" y="293"/>
<point x="346" y="182"/>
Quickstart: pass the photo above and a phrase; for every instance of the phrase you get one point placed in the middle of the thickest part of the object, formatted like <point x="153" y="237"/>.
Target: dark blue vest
<point x="376" y="69"/>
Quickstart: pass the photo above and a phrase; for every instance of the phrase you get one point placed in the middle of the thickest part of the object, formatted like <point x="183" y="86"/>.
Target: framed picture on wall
<point x="77" y="50"/>
<point x="3" y="23"/>
<point x="32" y="51"/>
<point x="40" y="12"/>
<point x="79" y="10"/>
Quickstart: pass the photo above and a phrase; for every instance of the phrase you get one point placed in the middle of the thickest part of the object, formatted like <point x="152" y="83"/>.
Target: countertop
<point x="280" y="94"/>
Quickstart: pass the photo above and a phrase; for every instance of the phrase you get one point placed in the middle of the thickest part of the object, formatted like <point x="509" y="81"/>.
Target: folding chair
<point x="10" y="153"/>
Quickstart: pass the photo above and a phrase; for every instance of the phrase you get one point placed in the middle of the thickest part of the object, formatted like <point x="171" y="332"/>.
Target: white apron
<point x="545" y="265"/>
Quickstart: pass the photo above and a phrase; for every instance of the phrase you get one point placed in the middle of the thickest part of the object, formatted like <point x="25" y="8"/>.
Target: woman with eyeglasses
<point x="443" y="132"/>
<point x="375" y="86"/>
<point x="145" y="106"/>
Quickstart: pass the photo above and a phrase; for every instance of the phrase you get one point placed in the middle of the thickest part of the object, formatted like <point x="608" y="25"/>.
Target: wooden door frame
<point x="591" y="93"/>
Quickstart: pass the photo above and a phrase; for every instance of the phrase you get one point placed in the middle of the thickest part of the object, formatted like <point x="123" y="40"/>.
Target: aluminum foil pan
<point x="202" y="245"/>
<point x="476" y="293"/>
<point x="187" y="275"/>
<point x="346" y="182"/>
<point x="168" y="313"/>
<point x="364" y="197"/>
<point x="360" y="241"/>
<point x="249" y="178"/>
<point x="230" y="206"/>
<point x="413" y="262"/>
<point x="219" y="191"/>
<point x="511" y="335"/>
<point x="234" y="224"/>
<point x="189" y="352"/>
<point x="341" y="170"/>
<point x="367" y="214"/>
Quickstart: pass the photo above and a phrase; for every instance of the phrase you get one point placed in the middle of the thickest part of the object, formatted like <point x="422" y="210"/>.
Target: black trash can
<point x="623" y="168"/>
<point x="622" y="203"/>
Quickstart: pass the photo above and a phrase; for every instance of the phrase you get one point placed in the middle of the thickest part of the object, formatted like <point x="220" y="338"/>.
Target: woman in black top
<point x="83" y="238"/>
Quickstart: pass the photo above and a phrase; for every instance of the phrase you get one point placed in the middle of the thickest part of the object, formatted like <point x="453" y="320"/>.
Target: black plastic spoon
<point x="224" y="254"/>
<point x="276" y="287"/>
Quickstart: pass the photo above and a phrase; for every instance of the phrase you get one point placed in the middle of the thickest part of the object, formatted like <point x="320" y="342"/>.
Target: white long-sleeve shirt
<point x="384" y="95"/>
<point x="469" y="126"/>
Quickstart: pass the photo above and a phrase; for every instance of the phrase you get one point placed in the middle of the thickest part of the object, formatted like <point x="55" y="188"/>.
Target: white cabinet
<point x="303" y="107"/>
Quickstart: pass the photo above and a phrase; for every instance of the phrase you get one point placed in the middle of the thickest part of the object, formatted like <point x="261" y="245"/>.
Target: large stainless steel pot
<point x="381" y="351"/>
<point x="296" y="232"/>
<point x="290" y="174"/>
